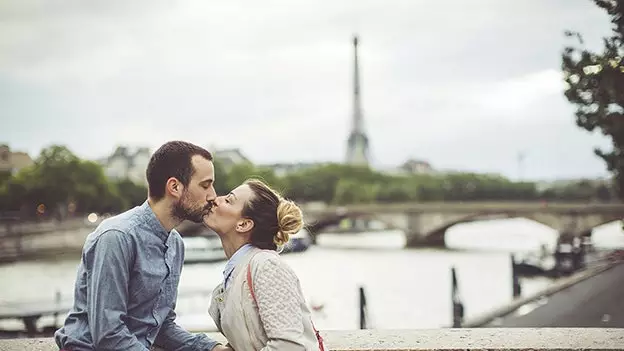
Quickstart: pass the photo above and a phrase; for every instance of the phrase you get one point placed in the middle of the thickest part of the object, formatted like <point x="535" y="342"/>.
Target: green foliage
<point x="579" y="191"/>
<point x="131" y="193"/>
<point x="221" y="176"/>
<point x="63" y="183"/>
<point x="4" y="177"/>
<point x="352" y="191"/>
<point x="60" y="180"/>
<point x="595" y="85"/>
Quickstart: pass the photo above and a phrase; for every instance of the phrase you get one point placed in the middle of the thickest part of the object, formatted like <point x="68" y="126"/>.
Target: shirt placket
<point x="163" y="292"/>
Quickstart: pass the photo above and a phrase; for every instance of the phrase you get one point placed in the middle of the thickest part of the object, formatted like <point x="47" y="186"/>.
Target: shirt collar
<point x="236" y="257"/>
<point x="148" y="215"/>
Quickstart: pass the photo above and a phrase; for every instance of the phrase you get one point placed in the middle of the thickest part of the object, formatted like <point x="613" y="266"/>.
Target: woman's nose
<point x="219" y="200"/>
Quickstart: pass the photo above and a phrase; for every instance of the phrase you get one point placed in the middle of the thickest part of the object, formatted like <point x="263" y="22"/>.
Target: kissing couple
<point x="127" y="280"/>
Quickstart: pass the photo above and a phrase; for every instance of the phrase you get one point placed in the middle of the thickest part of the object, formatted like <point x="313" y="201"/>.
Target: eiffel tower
<point x="357" y="144"/>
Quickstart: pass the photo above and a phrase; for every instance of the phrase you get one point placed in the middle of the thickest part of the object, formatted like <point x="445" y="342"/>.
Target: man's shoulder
<point x="122" y="224"/>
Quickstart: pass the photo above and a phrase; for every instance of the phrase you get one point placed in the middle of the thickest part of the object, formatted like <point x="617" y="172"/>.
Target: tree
<point x="132" y="194"/>
<point x="239" y="173"/>
<point x="221" y="178"/>
<point x="4" y="177"/>
<point x="63" y="183"/>
<point x="351" y="191"/>
<point x="595" y="85"/>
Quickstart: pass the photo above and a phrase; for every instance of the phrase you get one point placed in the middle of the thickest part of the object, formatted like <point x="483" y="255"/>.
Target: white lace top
<point x="281" y="319"/>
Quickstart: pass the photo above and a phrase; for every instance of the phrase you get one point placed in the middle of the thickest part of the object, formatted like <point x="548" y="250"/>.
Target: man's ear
<point x="174" y="187"/>
<point x="244" y="225"/>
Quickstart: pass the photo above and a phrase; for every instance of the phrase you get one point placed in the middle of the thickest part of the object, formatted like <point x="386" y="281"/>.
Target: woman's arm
<point x="279" y="300"/>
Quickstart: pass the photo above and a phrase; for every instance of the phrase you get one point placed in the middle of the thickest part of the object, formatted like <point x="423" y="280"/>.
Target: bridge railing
<point x="561" y="339"/>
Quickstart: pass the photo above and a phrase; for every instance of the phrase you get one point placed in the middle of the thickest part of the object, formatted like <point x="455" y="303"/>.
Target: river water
<point x="405" y="288"/>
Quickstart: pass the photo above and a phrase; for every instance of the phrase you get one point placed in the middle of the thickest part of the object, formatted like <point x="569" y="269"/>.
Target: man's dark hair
<point x="172" y="159"/>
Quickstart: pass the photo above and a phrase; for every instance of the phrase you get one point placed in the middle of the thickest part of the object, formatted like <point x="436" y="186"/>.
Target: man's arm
<point x="172" y="337"/>
<point x="108" y="266"/>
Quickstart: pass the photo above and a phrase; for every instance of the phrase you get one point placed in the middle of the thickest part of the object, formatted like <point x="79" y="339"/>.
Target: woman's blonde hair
<point x="275" y="218"/>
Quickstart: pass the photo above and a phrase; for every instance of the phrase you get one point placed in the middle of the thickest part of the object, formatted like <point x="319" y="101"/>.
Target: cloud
<point x="275" y="78"/>
<point x="517" y="94"/>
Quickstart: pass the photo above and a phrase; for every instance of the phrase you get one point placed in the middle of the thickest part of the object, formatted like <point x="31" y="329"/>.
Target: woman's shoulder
<point x="270" y="262"/>
<point x="261" y="255"/>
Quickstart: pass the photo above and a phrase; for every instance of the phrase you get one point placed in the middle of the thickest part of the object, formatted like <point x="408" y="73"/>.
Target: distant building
<point x="13" y="161"/>
<point x="282" y="169"/>
<point x="410" y="167"/>
<point x="413" y="166"/>
<point x="127" y="164"/>
<point x="229" y="157"/>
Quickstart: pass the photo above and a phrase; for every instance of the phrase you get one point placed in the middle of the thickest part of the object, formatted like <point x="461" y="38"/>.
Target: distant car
<point x="298" y="242"/>
<point x="202" y="249"/>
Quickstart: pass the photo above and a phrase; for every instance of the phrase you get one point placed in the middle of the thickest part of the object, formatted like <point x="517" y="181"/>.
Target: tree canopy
<point x="595" y="86"/>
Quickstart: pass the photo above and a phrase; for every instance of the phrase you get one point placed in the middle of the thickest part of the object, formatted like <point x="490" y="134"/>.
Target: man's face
<point x="197" y="197"/>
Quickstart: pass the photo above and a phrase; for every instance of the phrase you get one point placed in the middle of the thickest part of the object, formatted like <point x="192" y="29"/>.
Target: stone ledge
<point x="560" y="339"/>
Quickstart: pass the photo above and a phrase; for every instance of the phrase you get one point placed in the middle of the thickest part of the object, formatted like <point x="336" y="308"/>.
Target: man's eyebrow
<point x="209" y="180"/>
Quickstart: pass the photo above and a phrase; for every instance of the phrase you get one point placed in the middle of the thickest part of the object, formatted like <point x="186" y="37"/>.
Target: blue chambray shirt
<point x="126" y="289"/>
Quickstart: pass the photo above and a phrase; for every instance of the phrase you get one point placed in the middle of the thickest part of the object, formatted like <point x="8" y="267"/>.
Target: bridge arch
<point x="429" y="228"/>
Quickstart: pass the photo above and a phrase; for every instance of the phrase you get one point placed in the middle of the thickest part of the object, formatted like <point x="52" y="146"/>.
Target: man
<point x="127" y="281"/>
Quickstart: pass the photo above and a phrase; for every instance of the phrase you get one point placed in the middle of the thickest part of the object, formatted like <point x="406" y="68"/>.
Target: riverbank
<point x="564" y="303"/>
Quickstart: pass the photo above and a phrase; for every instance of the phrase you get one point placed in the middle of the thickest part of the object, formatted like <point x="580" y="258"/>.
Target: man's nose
<point x="212" y="194"/>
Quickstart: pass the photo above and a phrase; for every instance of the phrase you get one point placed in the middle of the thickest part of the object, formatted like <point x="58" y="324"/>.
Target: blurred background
<point x="491" y="112"/>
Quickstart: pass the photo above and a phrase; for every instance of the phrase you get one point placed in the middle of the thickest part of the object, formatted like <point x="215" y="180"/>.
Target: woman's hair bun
<point x="289" y="221"/>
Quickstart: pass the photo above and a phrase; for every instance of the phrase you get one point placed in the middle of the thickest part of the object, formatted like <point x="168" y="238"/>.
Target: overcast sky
<point x="463" y="84"/>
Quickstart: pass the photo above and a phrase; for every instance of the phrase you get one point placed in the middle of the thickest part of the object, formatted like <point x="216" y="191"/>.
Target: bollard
<point x="515" y="280"/>
<point x="18" y="244"/>
<point x="362" y="308"/>
<point x="57" y="298"/>
<point x="458" y="306"/>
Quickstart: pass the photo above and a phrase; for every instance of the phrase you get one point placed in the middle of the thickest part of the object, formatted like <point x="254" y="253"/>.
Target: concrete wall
<point x="45" y="226"/>
<point x="433" y="339"/>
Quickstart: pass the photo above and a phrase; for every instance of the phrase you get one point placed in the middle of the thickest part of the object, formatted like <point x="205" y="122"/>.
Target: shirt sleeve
<point x="108" y="265"/>
<point x="279" y="304"/>
<point x="172" y="337"/>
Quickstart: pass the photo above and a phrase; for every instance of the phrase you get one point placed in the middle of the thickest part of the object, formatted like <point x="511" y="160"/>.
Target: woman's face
<point x="225" y="216"/>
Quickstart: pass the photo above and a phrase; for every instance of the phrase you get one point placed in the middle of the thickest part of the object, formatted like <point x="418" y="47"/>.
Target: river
<point x="405" y="288"/>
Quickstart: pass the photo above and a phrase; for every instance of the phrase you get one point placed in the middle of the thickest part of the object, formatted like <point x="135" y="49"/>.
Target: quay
<point x="597" y="301"/>
<point x="28" y="240"/>
<point x="589" y="298"/>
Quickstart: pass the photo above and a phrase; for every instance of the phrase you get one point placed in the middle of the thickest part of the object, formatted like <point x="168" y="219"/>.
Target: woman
<point x="259" y="305"/>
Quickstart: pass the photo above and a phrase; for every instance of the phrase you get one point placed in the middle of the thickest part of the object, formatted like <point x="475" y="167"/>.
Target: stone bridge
<point x="426" y="223"/>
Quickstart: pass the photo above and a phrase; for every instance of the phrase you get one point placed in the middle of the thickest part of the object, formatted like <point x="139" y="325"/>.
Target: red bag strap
<point x="319" y="338"/>
<point x="251" y="290"/>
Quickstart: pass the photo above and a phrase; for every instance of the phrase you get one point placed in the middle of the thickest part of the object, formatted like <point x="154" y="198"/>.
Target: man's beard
<point x="184" y="212"/>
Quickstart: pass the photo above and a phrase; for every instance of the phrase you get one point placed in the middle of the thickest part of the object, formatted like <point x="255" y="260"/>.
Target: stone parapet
<point x="535" y="339"/>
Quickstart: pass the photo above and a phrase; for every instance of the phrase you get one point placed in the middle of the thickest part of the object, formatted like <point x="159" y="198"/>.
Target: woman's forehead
<point x="243" y="191"/>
